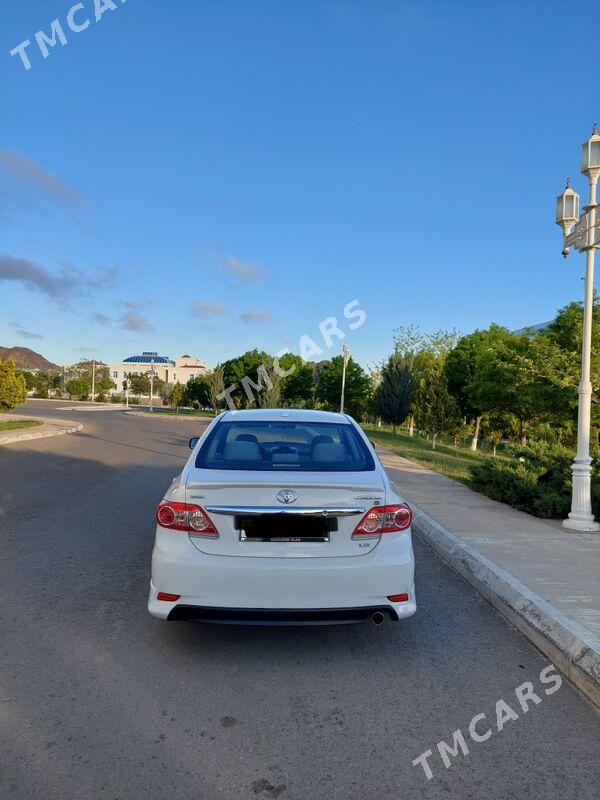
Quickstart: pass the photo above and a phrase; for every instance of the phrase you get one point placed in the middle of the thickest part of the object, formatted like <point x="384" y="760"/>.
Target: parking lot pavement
<point x="99" y="700"/>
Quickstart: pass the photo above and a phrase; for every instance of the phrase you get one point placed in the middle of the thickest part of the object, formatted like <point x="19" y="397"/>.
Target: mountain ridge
<point x="25" y="358"/>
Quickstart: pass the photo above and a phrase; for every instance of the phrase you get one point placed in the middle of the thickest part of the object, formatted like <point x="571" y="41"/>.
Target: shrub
<point x="116" y="398"/>
<point x="537" y="480"/>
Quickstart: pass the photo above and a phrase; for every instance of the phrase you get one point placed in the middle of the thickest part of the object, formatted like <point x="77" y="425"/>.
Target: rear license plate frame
<point x="250" y="529"/>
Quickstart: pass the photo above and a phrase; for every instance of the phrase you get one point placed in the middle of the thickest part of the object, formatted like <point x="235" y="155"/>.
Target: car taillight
<point x="383" y="519"/>
<point x="185" y="517"/>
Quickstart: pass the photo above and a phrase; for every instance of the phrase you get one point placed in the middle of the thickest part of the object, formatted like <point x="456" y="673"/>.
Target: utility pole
<point x="93" y="378"/>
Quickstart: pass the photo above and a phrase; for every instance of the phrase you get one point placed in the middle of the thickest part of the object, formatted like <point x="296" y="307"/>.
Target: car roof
<point x="285" y="415"/>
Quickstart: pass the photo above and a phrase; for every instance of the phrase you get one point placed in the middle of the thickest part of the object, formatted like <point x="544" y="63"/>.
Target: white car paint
<point x="229" y="572"/>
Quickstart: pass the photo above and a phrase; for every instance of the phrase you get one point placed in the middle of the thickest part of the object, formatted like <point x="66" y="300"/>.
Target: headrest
<point x="241" y="451"/>
<point x="326" y="453"/>
<point x="246" y="437"/>
<point x="320" y="439"/>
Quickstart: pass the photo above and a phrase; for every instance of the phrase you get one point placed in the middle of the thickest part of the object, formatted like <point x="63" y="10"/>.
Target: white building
<point x="178" y="370"/>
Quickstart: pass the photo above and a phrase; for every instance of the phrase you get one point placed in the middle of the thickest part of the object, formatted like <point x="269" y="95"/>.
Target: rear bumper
<point x="328" y="588"/>
<point x="278" y="616"/>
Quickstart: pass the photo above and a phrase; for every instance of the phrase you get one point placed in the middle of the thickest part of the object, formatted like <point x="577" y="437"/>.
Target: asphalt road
<point x="99" y="700"/>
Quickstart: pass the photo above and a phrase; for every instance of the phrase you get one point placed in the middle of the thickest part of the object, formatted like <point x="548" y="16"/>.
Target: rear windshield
<point x="285" y="447"/>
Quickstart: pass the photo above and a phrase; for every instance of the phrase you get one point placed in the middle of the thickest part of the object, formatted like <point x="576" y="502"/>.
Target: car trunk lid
<point x="306" y="515"/>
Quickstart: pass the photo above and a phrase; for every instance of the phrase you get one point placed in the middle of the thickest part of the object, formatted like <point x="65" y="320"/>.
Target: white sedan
<point x="282" y="517"/>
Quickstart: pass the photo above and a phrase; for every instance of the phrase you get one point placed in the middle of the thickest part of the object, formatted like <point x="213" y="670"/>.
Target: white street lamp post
<point x="151" y="408"/>
<point x="93" y="378"/>
<point x="346" y="352"/>
<point x="585" y="237"/>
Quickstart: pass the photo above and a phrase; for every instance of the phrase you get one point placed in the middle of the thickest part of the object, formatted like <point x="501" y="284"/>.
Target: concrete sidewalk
<point x="49" y="427"/>
<point x="544" y="579"/>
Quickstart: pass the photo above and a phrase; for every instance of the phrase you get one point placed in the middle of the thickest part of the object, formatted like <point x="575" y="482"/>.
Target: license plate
<point x="289" y="539"/>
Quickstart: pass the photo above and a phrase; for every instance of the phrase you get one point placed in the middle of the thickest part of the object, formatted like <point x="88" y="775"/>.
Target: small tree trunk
<point x="394" y="428"/>
<point x="475" y="438"/>
<point x="494" y="451"/>
<point x="433" y="441"/>
<point x="411" y="426"/>
<point x="523" y="433"/>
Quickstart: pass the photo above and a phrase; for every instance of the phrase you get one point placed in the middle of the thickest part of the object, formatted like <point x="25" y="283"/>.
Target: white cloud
<point x="256" y="317"/>
<point x="204" y="309"/>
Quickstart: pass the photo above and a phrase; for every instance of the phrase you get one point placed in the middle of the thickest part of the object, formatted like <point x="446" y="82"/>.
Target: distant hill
<point x="25" y="358"/>
<point x="531" y="330"/>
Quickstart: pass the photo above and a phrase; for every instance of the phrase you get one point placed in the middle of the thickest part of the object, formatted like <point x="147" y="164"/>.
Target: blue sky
<point x="212" y="176"/>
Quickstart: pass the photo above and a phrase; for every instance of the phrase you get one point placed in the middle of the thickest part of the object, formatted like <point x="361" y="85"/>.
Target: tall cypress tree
<point x="395" y="391"/>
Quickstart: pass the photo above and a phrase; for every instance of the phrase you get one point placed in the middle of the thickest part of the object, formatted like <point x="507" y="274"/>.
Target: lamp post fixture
<point x="583" y="233"/>
<point x="346" y="356"/>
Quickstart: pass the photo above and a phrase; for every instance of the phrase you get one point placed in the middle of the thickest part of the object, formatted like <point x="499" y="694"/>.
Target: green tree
<point x="395" y="391"/>
<point x="166" y="392"/>
<point x="329" y="387"/>
<point x="30" y="379"/>
<point x="13" y="390"/>
<point x="270" y="396"/>
<point x="105" y="385"/>
<point x="436" y="409"/>
<point x="512" y="377"/>
<point x="78" y="387"/>
<point x="567" y="332"/>
<point x="197" y="392"/>
<point x="418" y="349"/>
<point x="247" y="372"/>
<point x="460" y="366"/>
<point x="157" y="385"/>
<point x="139" y="384"/>
<point x="298" y="388"/>
<point x="178" y="395"/>
<point x="217" y="387"/>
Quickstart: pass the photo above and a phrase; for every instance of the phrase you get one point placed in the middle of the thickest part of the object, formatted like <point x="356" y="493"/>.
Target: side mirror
<point x="372" y="444"/>
<point x="193" y="442"/>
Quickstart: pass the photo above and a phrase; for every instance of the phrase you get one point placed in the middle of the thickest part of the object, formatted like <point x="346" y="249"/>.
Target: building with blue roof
<point x="169" y="370"/>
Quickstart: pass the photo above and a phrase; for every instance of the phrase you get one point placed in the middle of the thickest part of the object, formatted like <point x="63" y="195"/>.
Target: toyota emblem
<point x="286" y="496"/>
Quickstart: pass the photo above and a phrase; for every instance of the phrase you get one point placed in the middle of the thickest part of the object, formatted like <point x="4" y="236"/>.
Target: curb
<point x="59" y="431"/>
<point x="161" y="415"/>
<point x="572" y="648"/>
<point x="96" y="407"/>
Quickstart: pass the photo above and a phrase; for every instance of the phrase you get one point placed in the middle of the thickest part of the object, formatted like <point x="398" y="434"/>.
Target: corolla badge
<point x="286" y="496"/>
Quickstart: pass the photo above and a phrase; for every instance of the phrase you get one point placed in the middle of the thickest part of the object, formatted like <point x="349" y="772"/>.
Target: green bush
<point x="116" y="398"/>
<point x="537" y="480"/>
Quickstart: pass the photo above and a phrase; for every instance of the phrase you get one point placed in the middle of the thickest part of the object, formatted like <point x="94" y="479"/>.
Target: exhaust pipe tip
<point x="377" y="618"/>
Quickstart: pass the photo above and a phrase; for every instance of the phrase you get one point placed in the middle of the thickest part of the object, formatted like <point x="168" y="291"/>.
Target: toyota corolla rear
<point x="282" y="517"/>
